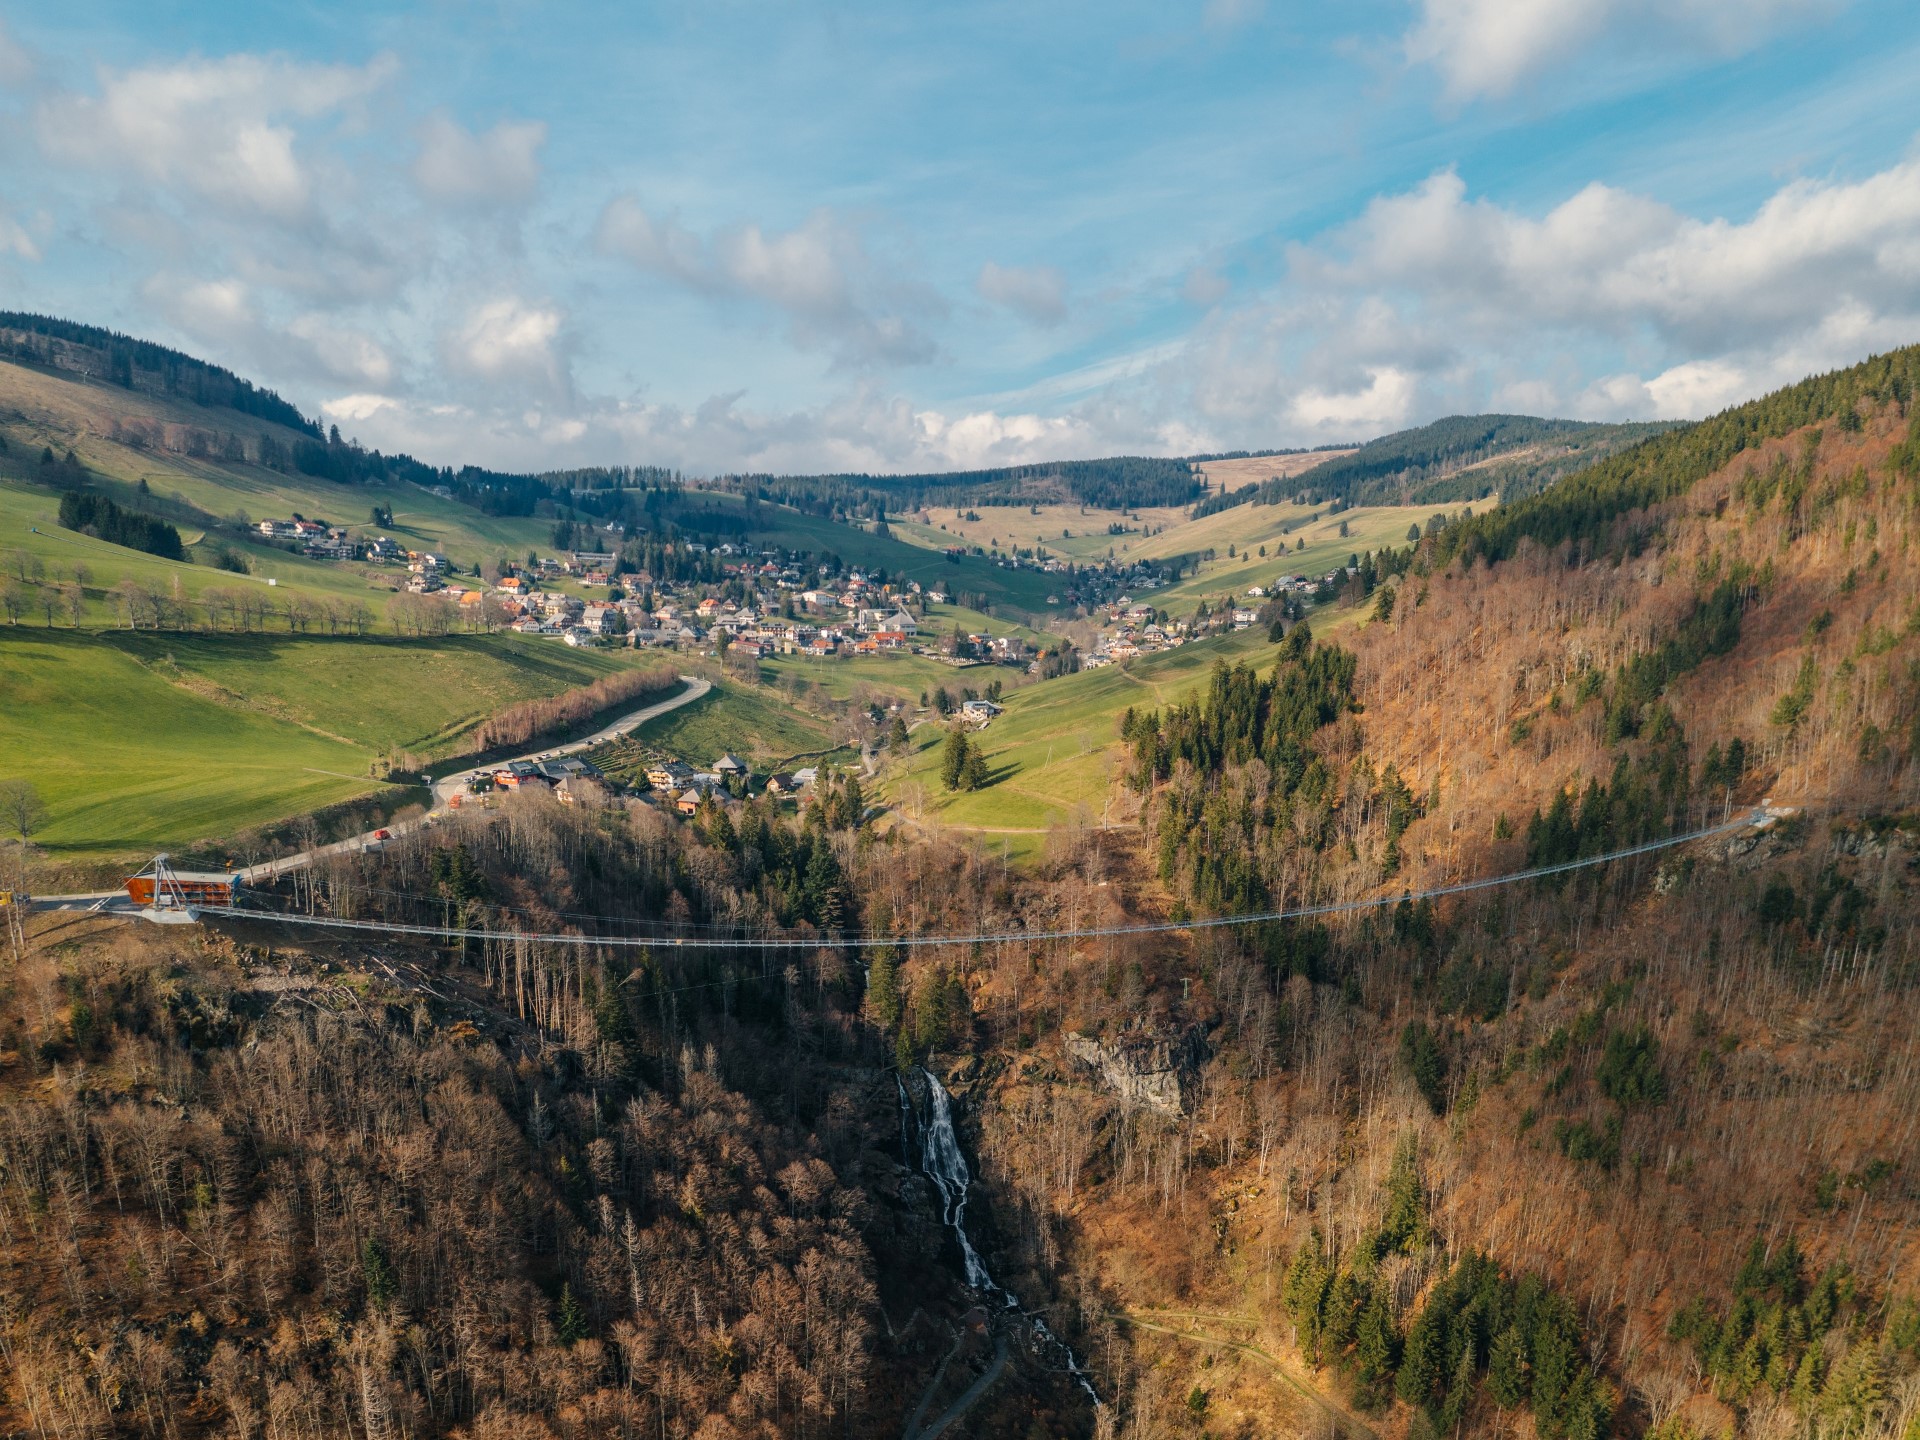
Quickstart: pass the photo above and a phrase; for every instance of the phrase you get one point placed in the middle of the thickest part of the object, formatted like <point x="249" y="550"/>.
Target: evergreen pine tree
<point x="1459" y="1391"/>
<point x="571" y="1323"/>
<point x="883" y="989"/>
<point x="1420" y="1364"/>
<point x="1507" y="1369"/>
<point x="973" y="775"/>
<point x="953" y="759"/>
<point x="1375" y="1340"/>
<point x="377" y="1271"/>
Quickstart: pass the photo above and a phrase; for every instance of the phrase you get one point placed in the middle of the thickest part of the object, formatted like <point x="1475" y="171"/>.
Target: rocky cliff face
<point x="1151" y="1068"/>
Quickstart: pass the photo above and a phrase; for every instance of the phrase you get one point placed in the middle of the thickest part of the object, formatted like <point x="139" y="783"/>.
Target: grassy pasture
<point x="61" y="410"/>
<point x="150" y="739"/>
<point x="1231" y="475"/>
<point x="1249" y="527"/>
<point x="1076" y="531"/>
<point x="29" y="525"/>
<point x="1054" y="748"/>
<point x="126" y="759"/>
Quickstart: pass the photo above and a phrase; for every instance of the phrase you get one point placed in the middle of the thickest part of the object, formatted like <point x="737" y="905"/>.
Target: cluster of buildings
<point x="571" y="779"/>
<point x="1132" y="630"/>
<point x="683" y="788"/>
<point x="813" y="628"/>
<point x="673" y="784"/>
<point x="320" y="541"/>
<point x="1301" y="585"/>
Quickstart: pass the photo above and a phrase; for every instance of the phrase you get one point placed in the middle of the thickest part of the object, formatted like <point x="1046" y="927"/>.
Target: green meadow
<point x="756" y="723"/>
<point x="1310" y="547"/>
<point x="149" y="739"/>
<point x="1052" y="753"/>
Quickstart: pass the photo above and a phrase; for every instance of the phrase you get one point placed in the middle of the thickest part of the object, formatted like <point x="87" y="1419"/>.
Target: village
<point x="768" y="603"/>
<point x="786" y="606"/>
<point x="667" y="783"/>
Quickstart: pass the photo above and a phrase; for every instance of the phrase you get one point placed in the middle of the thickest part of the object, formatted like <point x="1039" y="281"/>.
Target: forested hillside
<point x="1114" y="484"/>
<point x="134" y="364"/>
<point x="1463" y="457"/>
<point x="1629" y="1150"/>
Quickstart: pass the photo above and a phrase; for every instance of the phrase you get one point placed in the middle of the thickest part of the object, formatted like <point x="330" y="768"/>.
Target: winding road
<point x="444" y="789"/>
<point x="967" y="1400"/>
<point x="448" y="786"/>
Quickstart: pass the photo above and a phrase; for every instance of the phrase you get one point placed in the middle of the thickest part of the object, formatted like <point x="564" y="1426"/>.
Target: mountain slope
<point x="1627" y="1089"/>
<point x="1463" y="457"/>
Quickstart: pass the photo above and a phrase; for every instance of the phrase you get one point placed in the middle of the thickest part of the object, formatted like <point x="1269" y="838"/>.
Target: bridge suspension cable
<point x="1757" y="818"/>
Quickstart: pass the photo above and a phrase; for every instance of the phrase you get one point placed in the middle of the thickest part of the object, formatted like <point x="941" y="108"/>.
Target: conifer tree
<point x="953" y="759"/>
<point x="1507" y="1369"/>
<point x="1420" y="1366"/>
<point x="883" y="989"/>
<point x="1375" y="1341"/>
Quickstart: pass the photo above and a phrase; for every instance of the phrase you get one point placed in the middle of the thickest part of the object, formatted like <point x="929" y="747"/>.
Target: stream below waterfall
<point x="944" y="1163"/>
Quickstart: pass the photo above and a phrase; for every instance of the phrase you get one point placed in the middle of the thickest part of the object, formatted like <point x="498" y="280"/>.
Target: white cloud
<point x="16" y="65"/>
<point x="1382" y="401"/>
<point x="863" y="429"/>
<point x="14" y="240"/>
<point x="223" y="130"/>
<point x="820" y="275"/>
<point x="1037" y="292"/>
<point x="1610" y="261"/>
<point x="501" y="166"/>
<point x="1433" y="300"/>
<point x="357" y="407"/>
<point x="220" y="310"/>
<point x="507" y="341"/>
<point x="341" y="351"/>
<point x="1491" y="47"/>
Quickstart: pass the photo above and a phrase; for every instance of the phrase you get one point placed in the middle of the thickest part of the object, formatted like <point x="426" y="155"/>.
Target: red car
<point x="382" y="835"/>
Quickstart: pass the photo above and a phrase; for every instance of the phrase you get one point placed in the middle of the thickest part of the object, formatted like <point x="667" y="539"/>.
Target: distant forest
<point x="142" y="365"/>
<point x="1587" y="508"/>
<point x="1425" y="465"/>
<point x="1116" y="483"/>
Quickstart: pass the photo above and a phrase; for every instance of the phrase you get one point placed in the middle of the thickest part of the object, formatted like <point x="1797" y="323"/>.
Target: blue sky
<point x="730" y="235"/>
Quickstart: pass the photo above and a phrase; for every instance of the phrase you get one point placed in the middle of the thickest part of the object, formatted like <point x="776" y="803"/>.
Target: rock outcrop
<point x="1144" y="1067"/>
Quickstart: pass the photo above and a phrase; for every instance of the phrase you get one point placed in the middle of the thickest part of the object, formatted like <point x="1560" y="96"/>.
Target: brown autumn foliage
<point x="519" y="1189"/>
<point x="1784" y="1045"/>
<point x="530" y="1189"/>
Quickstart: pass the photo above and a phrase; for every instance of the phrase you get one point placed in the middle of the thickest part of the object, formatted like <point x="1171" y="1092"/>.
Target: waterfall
<point x="943" y="1162"/>
<point x="940" y="1157"/>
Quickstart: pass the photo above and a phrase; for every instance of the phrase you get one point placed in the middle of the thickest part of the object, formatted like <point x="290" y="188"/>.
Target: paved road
<point x="450" y="785"/>
<point x="443" y="790"/>
<point x="965" y="1403"/>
